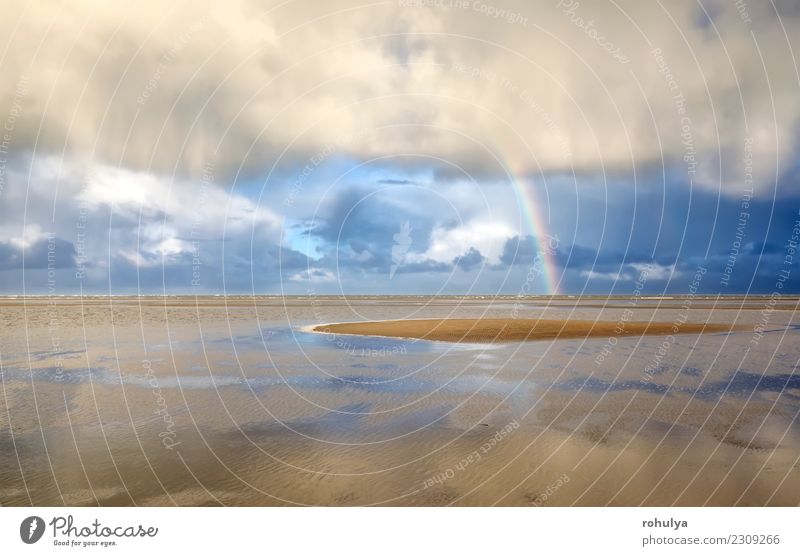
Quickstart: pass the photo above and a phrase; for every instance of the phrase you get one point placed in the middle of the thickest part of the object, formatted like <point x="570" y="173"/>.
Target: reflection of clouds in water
<point x="691" y="371"/>
<point x="461" y="384"/>
<point x="65" y="354"/>
<point x="337" y="424"/>
<point x="402" y="368"/>
<point x="738" y="384"/>
<point x="400" y="417"/>
<point x="101" y="376"/>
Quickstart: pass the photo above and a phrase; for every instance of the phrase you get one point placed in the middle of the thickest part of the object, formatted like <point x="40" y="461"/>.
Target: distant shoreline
<point x="478" y="297"/>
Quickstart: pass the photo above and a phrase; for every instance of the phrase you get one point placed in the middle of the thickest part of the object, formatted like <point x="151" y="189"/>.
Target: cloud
<point x="46" y="252"/>
<point x="115" y="221"/>
<point x="355" y="213"/>
<point x="631" y="272"/>
<point x="488" y="237"/>
<point x="168" y="90"/>
<point x="469" y="260"/>
<point x="519" y="250"/>
<point x="523" y="250"/>
<point x="424" y="266"/>
<point x="392" y="181"/>
<point x="291" y="143"/>
<point x="173" y="216"/>
<point x="314" y="276"/>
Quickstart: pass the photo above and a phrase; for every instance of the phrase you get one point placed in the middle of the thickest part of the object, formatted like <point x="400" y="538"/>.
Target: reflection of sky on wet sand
<point x="262" y="412"/>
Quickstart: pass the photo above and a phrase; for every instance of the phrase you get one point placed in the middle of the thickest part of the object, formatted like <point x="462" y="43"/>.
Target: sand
<point x="513" y="330"/>
<point x="215" y="401"/>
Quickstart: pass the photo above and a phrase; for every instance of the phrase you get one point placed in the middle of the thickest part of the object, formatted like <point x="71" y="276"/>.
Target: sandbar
<point x="492" y="330"/>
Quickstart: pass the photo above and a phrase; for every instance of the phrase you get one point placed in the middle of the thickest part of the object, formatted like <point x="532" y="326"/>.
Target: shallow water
<point x="230" y="401"/>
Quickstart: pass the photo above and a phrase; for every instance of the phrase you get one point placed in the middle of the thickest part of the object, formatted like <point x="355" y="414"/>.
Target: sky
<point x="399" y="147"/>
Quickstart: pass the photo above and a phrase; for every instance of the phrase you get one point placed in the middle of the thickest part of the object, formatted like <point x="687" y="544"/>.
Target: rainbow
<point x="525" y="191"/>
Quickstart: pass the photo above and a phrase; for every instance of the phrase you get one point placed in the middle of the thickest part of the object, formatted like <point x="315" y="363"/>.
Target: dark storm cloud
<point x="580" y="257"/>
<point x="424" y="267"/>
<point x="519" y="250"/>
<point x="469" y="260"/>
<point x="208" y="270"/>
<point x="356" y="213"/>
<point x="524" y="250"/>
<point x="44" y="253"/>
<point x="362" y="221"/>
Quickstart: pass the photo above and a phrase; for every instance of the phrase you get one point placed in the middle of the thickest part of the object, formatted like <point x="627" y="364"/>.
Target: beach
<point x="162" y="401"/>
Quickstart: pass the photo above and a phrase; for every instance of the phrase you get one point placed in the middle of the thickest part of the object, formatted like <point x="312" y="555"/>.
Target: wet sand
<point x="514" y="330"/>
<point x="229" y="401"/>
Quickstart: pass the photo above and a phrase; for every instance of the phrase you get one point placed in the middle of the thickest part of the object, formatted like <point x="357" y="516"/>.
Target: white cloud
<point x="314" y="276"/>
<point x="657" y="271"/>
<point x="610" y="276"/>
<point x="143" y="218"/>
<point x="31" y="234"/>
<point x="651" y="271"/>
<point x="155" y="89"/>
<point x="488" y="237"/>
